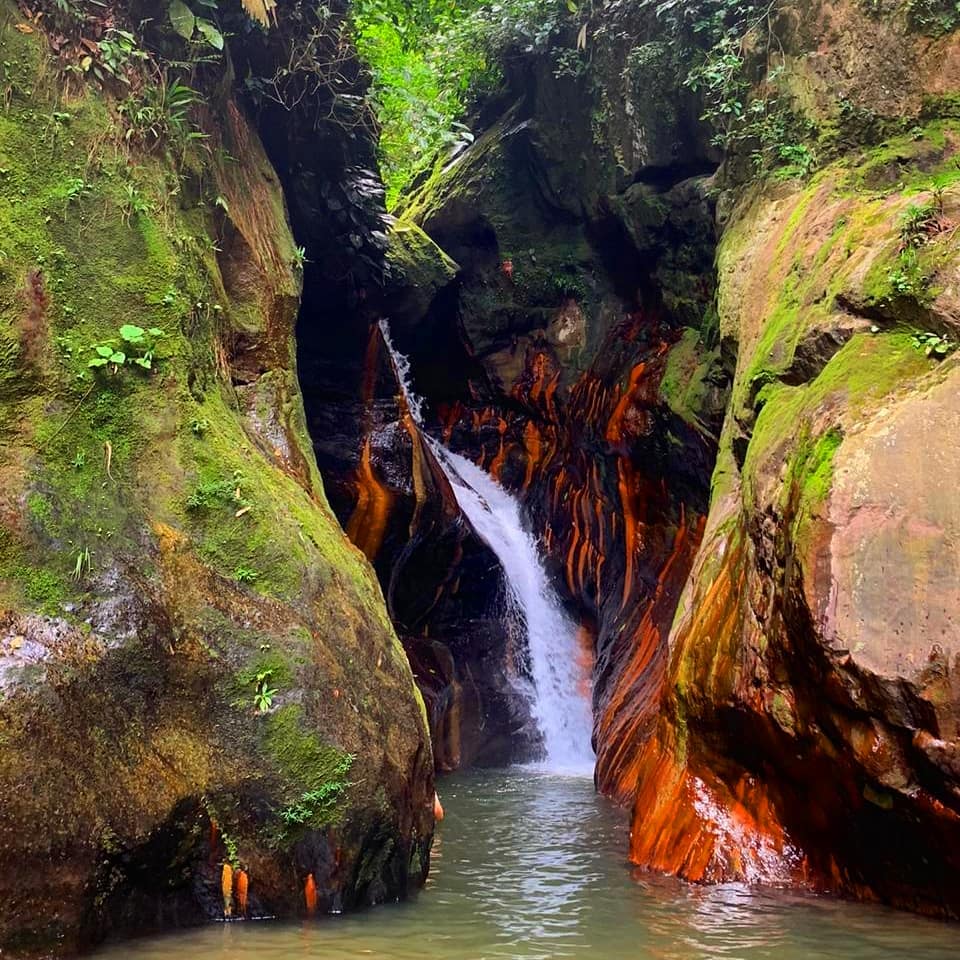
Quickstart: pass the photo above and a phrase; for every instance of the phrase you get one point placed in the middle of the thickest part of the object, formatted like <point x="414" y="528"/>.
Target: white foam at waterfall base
<point x="559" y="706"/>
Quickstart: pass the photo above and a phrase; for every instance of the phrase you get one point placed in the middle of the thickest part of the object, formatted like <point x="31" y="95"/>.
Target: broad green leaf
<point x="131" y="334"/>
<point x="98" y="362"/>
<point x="119" y="358"/>
<point x="143" y="362"/>
<point x="210" y="33"/>
<point x="155" y="332"/>
<point x="182" y="19"/>
<point x="105" y="351"/>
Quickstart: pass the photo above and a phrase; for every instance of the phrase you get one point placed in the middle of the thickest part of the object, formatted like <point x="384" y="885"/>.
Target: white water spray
<point x="562" y="711"/>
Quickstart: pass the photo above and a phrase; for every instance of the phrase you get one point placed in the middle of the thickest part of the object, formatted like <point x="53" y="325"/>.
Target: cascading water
<point x="562" y="713"/>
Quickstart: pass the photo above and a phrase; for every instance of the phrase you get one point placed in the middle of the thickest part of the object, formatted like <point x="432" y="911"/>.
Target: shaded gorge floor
<point x="530" y="866"/>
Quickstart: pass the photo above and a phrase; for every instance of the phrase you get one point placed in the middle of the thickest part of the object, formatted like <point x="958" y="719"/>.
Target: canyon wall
<point x="204" y="708"/>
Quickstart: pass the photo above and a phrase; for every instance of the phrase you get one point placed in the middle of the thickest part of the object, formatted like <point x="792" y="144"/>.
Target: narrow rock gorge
<point x="684" y="285"/>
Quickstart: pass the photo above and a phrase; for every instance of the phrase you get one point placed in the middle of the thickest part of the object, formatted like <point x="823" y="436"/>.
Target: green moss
<point x="911" y="162"/>
<point x="866" y="369"/>
<point x="317" y="769"/>
<point x="817" y="467"/>
<point x="782" y="713"/>
<point x="684" y="385"/>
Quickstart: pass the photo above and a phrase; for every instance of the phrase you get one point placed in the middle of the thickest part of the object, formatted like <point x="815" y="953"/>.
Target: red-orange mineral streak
<point x="310" y="894"/>
<point x="226" y="888"/>
<point x="368" y="522"/>
<point x="686" y="819"/>
<point x="496" y="465"/>
<point x="615" y="425"/>
<point x="241" y="887"/>
<point x="630" y="706"/>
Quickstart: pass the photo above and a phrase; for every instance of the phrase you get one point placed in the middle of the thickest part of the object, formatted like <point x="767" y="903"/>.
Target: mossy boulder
<point x="809" y="709"/>
<point x="199" y="677"/>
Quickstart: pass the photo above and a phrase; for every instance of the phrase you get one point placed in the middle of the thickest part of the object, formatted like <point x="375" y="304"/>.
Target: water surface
<point x="529" y="866"/>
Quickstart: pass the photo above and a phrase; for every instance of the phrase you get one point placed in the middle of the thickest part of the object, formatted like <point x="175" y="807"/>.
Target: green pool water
<point x="532" y="866"/>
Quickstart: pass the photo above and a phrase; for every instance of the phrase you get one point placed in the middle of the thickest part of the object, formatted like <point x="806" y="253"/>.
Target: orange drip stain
<point x="310" y="894"/>
<point x="533" y="447"/>
<point x="496" y="465"/>
<point x="226" y="888"/>
<point x="625" y="486"/>
<point x="586" y="659"/>
<point x="615" y="425"/>
<point x="241" y="888"/>
<point x="368" y="522"/>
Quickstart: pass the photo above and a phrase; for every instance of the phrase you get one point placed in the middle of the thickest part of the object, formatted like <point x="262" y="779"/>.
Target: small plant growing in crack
<point x="136" y="346"/>
<point x="82" y="564"/>
<point x="933" y="345"/>
<point x="264" y="693"/>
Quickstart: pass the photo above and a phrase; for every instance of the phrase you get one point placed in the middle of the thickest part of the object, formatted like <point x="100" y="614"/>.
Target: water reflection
<point x="529" y="867"/>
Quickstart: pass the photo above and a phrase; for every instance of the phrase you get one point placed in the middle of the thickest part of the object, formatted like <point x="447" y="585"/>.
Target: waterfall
<point x="562" y="711"/>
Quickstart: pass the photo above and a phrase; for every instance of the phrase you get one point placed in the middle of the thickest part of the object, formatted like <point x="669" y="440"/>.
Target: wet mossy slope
<point x="198" y="679"/>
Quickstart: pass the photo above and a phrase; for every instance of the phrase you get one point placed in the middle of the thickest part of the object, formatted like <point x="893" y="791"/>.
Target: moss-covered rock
<point x="197" y="667"/>
<point x="808" y="699"/>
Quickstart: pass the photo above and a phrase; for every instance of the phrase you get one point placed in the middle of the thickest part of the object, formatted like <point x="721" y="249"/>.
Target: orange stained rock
<point x="310" y="894"/>
<point x="437" y="808"/>
<point x="630" y="706"/>
<point x="586" y="659"/>
<point x="533" y="446"/>
<point x="701" y="829"/>
<point x="241" y="887"/>
<point x="625" y="480"/>
<point x="615" y="425"/>
<point x="226" y="888"/>
<point x="496" y="464"/>
<point x="368" y="522"/>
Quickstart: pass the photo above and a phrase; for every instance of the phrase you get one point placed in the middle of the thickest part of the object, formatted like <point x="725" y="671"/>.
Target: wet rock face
<point x="443" y="585"/>
<point x="204" y="709"/>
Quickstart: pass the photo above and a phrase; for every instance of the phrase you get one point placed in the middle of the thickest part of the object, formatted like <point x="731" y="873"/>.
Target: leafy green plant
<point x="223" y="492"/>
<point x="264" y="693"/>
<point x="908" y="278"/>
<point x="921" y="222"/>
<point x="934" y="17"/>
<point x="160" y="113"/>
<point x="316" y="805"/>
<point x="299" y="258"/>
<point x="245" y="575"/>
<point x="933" y="345"/>
<point x="136" y="346"/>
<point x="82" y="564"/>
<point x="199" y="426"/>
<point x="119" y="53"/>
<point x="135" y="204"/>
<point x="431" y="58"/>
<point x="189" y="26"/>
